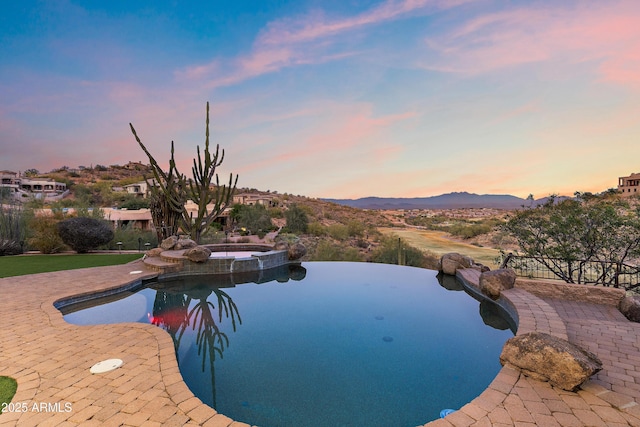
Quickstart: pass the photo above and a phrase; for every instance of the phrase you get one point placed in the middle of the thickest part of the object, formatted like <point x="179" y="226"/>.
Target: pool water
<point x="351" y="344"/>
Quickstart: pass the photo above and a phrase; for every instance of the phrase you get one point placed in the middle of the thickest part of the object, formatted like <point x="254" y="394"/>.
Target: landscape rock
<point x="197" y="254"/>
<point x="492" y="283"/>
<point x="630" y="307"/>
<point x="169" y="243"/>
<point x="155" y="252"/>
<point x="183" y="243"/>
<point x="547" y="358"/>
<point x="281" y="245"/>
<point x="297" y="251"/>
<point x="451" y="262"/>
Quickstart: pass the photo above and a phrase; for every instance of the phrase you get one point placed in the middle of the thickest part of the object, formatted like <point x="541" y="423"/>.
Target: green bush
<point x="84" y="234"/>
<point x="135" y="203"/>
<point x="44" y="235"/>
<point x="297" y="219"/>
<point x="338" y="231"/>
<point x="13" y="221"/>
<point x="255" y="219"/>
<point x="393" y="250"/>
<point x="328" y="251"/>
<point x="316" y="229"/>
<point x="355" y="228"/>
<point x="129" y="236"/>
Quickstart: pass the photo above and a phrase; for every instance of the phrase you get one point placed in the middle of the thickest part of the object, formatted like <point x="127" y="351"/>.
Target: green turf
<point x="31" y="264"/>
<point x="8" y="387"/>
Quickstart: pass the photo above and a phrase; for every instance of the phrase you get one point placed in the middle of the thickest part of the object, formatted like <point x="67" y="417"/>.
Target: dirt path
<point x="438" y="242"/>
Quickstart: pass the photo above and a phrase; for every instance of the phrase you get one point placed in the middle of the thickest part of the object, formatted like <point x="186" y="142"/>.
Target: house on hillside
<point x="40" y="188"/>
<point x="139" y="189"/>
<point x="628" y="185"/>
<point x="254" y="199"/>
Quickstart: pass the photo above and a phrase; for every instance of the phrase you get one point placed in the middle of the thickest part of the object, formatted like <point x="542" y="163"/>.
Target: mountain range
<point x="444" y="201"/>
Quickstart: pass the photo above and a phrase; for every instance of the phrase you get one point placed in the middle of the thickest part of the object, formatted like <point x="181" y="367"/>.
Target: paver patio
<point x="50" y="359"/>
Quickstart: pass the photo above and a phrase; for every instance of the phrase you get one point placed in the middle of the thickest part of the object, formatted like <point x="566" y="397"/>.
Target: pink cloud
<point x="607" y="34"/>
<point x="342" y="132"/>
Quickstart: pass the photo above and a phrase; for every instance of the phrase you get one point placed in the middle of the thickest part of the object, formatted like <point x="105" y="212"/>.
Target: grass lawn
<point x="438" y="243"/>
<point x="8" y="387"/>
<point x="31" y="264"/>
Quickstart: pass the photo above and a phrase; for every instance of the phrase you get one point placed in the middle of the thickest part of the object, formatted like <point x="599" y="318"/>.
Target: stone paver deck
<point x="50" y="359"/>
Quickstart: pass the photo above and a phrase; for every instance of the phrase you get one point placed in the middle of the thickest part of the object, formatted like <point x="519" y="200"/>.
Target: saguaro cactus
<point x="171" y="190"/>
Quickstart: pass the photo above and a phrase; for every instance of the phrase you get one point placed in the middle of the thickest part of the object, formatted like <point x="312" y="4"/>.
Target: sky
<point x="331" y="98"/>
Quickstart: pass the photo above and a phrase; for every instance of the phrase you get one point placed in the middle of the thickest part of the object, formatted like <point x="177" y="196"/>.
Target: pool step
<point x="162" y="266"/>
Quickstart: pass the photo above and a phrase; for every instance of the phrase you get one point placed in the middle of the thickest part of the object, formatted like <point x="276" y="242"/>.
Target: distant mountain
<point x="444" y="201"/>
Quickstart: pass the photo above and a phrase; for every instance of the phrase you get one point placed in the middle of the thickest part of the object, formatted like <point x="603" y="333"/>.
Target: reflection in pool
<point x="350" y="344"/>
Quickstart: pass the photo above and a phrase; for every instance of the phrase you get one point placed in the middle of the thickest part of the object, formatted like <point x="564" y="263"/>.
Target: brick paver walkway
<point x="609" y="399"/>
<point x="51" y="359"/>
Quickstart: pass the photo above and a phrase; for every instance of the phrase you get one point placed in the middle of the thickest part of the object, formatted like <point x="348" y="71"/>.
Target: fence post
<point x="506" y="260"/>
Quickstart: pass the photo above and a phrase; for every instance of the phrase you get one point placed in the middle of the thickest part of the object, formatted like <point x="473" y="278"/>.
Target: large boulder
<point x="184" y="243"/>
<point x="451" y="262"/>
<point x="630" y="307"/>
<point x="169" y="243"/>
<point x="492" y="283"/>
<point x="155" y="252"/>
<point x="296" y="251"/>
<point x="197" y="254"/>
<point x="547" y="358"/>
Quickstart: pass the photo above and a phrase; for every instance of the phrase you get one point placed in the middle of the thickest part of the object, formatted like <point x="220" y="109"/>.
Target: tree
<point x="83" y="234"/>
<point x="568" y="236"/>
<point x="297" y="220"/>
<point x="170" y="191"/>
<point x="254" y="218"/>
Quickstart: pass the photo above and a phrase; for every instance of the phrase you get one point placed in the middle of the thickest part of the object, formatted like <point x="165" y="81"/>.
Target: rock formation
<point x="197" y="254"/>
<point x="451" y="262"/>
<point x="548" y="358"/>
<point x="492" y="283"/>
<point x="630" y="307"/>
<point x="155" y="252"/>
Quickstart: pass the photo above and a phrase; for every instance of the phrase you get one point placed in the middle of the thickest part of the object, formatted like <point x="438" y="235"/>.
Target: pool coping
<point x="149" y="389"/>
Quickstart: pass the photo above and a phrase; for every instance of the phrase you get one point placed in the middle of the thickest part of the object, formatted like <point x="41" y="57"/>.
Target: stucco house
<point x="629" y="185"/>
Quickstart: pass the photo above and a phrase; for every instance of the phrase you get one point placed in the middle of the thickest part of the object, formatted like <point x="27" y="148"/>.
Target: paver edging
<point x="168" y="362"/>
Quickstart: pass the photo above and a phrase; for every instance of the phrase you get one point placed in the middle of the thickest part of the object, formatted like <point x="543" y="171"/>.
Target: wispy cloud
<point x="606" y="34"/>
<point x="317" y="25"/>
<point x="303" y="40"/>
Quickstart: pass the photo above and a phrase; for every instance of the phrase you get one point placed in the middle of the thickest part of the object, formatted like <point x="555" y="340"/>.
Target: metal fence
<point x="611" y="274"/>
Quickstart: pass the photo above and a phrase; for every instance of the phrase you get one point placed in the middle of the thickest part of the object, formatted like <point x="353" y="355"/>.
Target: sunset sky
<point x="331" y="98"/>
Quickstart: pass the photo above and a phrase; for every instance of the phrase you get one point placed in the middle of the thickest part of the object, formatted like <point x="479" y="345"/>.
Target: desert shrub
<point x="393" y="250"/>
<point x="355" y="228"/>
<point x="338" y="231"/>
<point x="44" y="235"/>
<point x="328" y="251"/>
<point x="297" y="219"/>
<point x="243" y="240"/>
<point x="12" y="229"/>
<point x="135" y="203"/>
<point x="131" y="238"/>
<point x="316" y="229"/>
<point x="469" y="230"/>
<point x="255" y="219"/>
<point x="83" y="234"/>
<point x="276" y="213"/>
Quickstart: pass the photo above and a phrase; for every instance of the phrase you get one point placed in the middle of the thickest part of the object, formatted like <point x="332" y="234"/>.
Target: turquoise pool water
<point x="344" y="344"/>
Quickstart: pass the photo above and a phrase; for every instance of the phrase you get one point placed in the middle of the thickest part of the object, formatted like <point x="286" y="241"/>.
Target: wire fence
<point x="610" y="274"/>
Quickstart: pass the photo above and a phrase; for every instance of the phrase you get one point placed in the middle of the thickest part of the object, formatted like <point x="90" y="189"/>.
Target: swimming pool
<point x="349" y="344"/>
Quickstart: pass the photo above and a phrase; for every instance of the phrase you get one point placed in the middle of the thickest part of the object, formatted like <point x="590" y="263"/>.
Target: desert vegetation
<point x="570" y="236"/>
